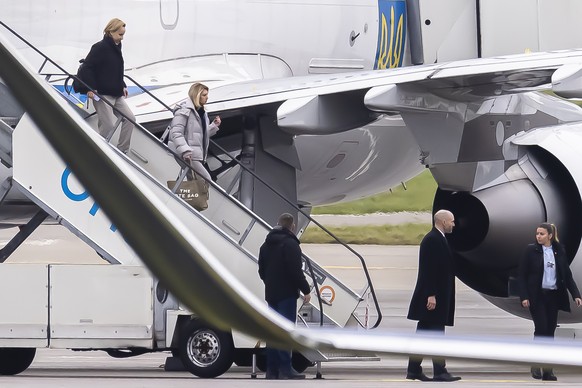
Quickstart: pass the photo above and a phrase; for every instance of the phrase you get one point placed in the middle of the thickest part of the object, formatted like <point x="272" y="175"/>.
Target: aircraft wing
<point x="331" y="103"/>
<point x="179" y="259"/>
<point x="500" y="74"/>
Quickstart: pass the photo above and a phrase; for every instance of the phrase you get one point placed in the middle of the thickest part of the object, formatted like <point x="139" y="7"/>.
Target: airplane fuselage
<point x="180" y="42"/>
<point x="308" y="36"/>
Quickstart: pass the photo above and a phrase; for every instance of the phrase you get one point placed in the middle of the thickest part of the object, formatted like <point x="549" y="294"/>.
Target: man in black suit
<point x="433" y="301"/>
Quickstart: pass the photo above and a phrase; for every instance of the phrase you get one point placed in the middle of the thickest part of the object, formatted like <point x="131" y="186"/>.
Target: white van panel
<point x="106" y="304"/>
<point x="24" y="300"/>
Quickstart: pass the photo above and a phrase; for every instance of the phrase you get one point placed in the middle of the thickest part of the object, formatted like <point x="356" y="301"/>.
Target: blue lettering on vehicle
<point x="79" y="197"/>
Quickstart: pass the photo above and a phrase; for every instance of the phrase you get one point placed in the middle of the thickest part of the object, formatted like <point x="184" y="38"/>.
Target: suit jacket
<point x="435" y="277"/>
<point x="531" y="273"/>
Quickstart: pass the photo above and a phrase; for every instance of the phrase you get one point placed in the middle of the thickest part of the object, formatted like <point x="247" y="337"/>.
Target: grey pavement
<point x="393" y="270"/>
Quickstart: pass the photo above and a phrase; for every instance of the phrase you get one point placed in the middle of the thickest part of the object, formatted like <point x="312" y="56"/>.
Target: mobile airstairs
<point x="230" y="231"/>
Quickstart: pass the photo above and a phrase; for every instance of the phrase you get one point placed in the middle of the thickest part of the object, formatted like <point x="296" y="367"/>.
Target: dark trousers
<point x="438" y="364"/>
<point x="544" y="313"/>
<point x="279" y="361"/>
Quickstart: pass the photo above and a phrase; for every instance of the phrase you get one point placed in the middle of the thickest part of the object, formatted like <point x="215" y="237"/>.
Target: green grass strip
<point x="418" y="197"/>
<point x="403" y="234"/>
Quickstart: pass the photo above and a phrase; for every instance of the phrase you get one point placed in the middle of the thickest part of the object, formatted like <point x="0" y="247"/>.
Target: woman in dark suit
<point x="545" y="279"/>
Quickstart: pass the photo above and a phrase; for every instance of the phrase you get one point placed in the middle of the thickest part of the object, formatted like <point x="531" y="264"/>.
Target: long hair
<point x="551" y="228"/>
<point x="195" y="92"/>
<point x="113" y="25"/>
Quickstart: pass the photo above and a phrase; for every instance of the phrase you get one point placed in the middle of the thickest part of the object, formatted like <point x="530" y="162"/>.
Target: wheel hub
<point x="203" y="348"/>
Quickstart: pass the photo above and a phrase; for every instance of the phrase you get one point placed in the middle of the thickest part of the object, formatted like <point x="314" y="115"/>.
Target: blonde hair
<point x="551" y="229"/>
<point x="195" y="92"/>
<point x="113" y="25"/>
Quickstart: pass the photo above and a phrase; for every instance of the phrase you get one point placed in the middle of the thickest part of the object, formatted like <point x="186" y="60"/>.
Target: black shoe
<point x="549" y="376"/>
<point x="417" y="376"/>
<point x="292" y="375"/>
<point x="445" y="377"/>
<point x="271" y="376"/>
<point x="536" y="373"/>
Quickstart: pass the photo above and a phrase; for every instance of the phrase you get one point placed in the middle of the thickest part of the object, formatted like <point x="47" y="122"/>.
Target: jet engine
<point x="495" y="222"/>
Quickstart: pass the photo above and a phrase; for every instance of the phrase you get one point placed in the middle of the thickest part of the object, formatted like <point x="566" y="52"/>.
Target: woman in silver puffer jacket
<point x="190" y="129"/>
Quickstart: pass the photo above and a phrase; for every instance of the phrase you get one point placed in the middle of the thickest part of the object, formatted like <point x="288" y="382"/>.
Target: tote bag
<point x="194" y="192"/>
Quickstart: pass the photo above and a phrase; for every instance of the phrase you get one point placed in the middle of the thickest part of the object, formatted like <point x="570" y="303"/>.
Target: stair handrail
<point x="311" y="219"/>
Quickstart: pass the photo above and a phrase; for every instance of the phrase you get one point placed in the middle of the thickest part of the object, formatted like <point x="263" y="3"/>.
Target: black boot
<point x="548" y="375"/>
<point x="536" y="373"/>
<point x="417" y="376"/>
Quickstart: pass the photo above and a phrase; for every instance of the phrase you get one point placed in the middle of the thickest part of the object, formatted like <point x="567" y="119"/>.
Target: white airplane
<point x="180" y="259"/>
<point x="495" y="146"/>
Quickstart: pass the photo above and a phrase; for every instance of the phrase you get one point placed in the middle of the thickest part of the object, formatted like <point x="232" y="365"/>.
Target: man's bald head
<point x="444" y="221"/>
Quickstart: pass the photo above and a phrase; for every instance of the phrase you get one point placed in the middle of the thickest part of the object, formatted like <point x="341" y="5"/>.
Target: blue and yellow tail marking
<point x="391" y="34"/>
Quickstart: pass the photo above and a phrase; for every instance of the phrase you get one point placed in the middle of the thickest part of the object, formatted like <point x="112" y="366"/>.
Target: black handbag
<point x="193" y="192"/>
<point x="78" y="86"/>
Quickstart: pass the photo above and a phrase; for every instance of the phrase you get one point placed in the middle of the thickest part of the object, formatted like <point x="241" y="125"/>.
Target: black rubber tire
<point x="204" y="351"/>
<point x="15" y="360"/>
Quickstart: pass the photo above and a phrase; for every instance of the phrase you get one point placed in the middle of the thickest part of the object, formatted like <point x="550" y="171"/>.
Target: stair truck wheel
<point x="15" y="360"/>
<point x="204" y="351"/>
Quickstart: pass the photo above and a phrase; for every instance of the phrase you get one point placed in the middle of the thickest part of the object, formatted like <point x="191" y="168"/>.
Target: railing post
<point x="247" y="160"/>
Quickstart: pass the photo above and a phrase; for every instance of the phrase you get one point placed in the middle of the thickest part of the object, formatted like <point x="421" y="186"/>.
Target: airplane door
<point x="169" y="13"/>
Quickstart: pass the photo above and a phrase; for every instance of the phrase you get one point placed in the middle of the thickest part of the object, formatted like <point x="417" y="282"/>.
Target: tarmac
<point x="393" y="271"/>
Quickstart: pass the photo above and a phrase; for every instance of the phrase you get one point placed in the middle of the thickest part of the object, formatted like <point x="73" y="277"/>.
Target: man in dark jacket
<point x="433" y="301"/>
<point x="104" y="74"/>
<point x="280" y="270"/>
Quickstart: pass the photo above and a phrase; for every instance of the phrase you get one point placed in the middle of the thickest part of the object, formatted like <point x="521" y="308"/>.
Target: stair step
<point x="350" y="357"/>
<point x="11" y="121"/>
<point x="339" y="356"/>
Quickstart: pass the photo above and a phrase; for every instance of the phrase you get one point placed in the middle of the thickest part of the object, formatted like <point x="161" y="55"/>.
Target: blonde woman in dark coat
<point x="104" y="74"/>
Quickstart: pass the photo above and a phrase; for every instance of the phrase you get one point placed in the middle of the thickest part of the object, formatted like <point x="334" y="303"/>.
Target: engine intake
<point x="494" y="225"/>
